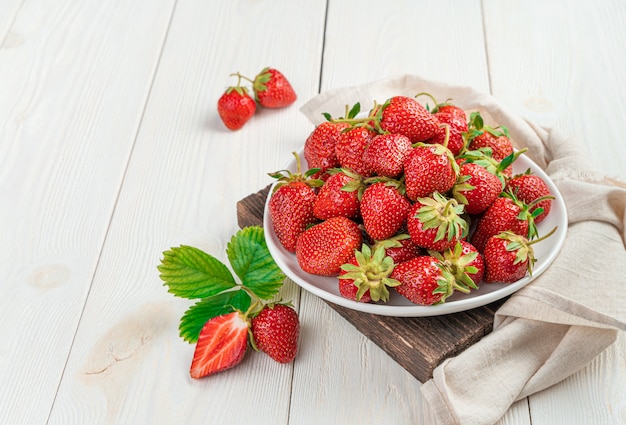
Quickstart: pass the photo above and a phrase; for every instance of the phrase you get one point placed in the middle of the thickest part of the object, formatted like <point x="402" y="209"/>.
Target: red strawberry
<point x="400" y="248"/>
<point x="324" y="247"/>
<point x="424" y="280"/>
<point x="508" y="257"/>
<point x="291" y="204"/>
<point x="505" y="213"/>
<point x="528" y="188"/>
<point x="452" y="136"/>
<point x="484" y="136"/>
<point x="445" y="107"/>
<point x="366" y="276"/>
<point x="275" y="331"/>
<point x="235" y="107"/>
<point x="405" y="115"/>
<point x="272" y="89"/>
<point x="385" y="154"/>
<point x="436" y="223"/>
<point x="428" y="169"/>
<point x="348" y="289"/>
<point x="350" y="147"/>
<point x="319" y="147"/>
<point x="384" y="209"/>
<point x="339" y="196"/>
<point x="464" y="262"/>
<point x="221" y="345"/>
<point x="476" y="188"/>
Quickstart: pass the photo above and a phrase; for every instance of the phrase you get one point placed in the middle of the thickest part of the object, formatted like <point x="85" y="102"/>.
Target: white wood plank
<point x="561" y="74"/>
<point x="74" y="78"/>
<point x="185" y="176"/>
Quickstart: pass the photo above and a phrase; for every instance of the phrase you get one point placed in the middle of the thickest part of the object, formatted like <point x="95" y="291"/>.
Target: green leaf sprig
<point x="190" y="273"/>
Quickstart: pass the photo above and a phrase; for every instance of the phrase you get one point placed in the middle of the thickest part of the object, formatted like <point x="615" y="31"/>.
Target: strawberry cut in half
<point x="221" y="345"/>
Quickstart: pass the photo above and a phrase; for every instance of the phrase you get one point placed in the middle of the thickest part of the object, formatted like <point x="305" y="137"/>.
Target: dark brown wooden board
<point x="419" y="344"/>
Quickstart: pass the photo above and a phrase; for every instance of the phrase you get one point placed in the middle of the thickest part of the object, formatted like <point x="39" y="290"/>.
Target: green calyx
<point x="523" y="247"/>
<point x="446" y="283"/>
<point x="443" y="214"/>
<point x="459" y="266"/>
<point x="371" y="273"/>
<point x="286" y="176"/>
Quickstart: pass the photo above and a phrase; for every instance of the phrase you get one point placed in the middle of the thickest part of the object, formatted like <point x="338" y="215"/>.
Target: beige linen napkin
<point x="560" y="321"/>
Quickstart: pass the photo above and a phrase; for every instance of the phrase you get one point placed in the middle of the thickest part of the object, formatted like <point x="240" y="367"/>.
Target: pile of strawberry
<point x="231" y="315"/>
<point x="419" y="199"/>
<point x="271" y="90"/>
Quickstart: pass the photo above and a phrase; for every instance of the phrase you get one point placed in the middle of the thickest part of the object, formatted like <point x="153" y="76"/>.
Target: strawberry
<point x="509" y="256"/>
<point x="436" y="222"/>
<point x="351" y="145"/>
<point x="235" y="107"/>
<point x="481" y="135"/>
<point x="428" y="169"/>
<point x="324" y="247"/>
<point x="476" y="188"/>
<point x="291" y="204"/>
<point x="319" y="147"/>
<point x="384" y="156"/>
<point x="400" y="248"/>
<point x="464" y="262"/>
<point x="450" y="133"/>
<point x="424" y="280"/>
<point x="405" y="115"/>
<point x="275" y="331"/>
<point x="339" y="196"/>
<point x="528" y="188"/>
<point x="221" y="345"/>
<point x="505" y="213"/>
<point x="272" y="89"/>
<point x="445" y="107"/>
<point x="369" y="273"/>
<point x="384" y="209"/>
<point x="348" y="289"/>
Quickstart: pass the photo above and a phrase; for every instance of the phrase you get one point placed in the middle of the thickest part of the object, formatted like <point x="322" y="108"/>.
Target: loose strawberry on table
<point x="272" y="89"/>
<point x="235" y="107"/>
<point x="275" y="331"/>
<point x="221" y="321"/>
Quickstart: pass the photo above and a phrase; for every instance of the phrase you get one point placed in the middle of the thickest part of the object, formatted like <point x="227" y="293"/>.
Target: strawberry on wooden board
<point x="324" y="247"/>
<point x="369" y="272"/>
<point x="427" y="169"/>
<point x="436" y="222"/>
<point x="319" y="147"/>
<point x="221" y="345"/>
<point x="291" y="204"/>
<point x="476" y="188"/>
<point x="424" y="280"/>
<point x="339" y="196"/>
<point x="509" y="256"/>
<point x="385" y="154"/>
<point x="529" y="187"/>
<point x="272" y="89"/>
<point x="384" y="209"/>
<point x="275" y="331"/>
<point x="405" y="115"/>
<point x="235" y="107"/>
<point x="350" y="147"/>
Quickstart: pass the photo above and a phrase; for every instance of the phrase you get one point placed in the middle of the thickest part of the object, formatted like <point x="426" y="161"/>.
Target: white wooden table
<point x="111" y="151"/>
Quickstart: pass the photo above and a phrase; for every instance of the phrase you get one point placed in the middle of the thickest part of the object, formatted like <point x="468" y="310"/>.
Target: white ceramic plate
<point x="328" y="289"/>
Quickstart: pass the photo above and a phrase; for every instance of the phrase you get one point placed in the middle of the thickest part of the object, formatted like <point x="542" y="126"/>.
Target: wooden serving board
<point x="419" y="344"/>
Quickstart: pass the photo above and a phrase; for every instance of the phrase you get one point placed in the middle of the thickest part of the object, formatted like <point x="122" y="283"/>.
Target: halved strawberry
<point x="221" y="345"/>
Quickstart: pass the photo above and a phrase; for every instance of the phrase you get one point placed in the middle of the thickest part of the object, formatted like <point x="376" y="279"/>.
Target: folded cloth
<point x="564" y="318"/>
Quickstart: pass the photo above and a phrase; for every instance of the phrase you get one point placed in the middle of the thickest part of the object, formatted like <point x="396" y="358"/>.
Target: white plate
<point x="328" y="289"/>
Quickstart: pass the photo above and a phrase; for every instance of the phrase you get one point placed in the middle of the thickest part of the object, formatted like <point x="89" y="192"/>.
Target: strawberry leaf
<point x="198" y="314"/>
<point x="191" y="273"/>
<point x="252" y="262"/>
